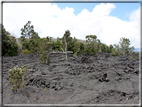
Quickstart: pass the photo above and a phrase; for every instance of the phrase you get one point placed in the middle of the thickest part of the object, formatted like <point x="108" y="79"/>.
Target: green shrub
<point x="27" y="51"/>
<point x="115" y="52"/>
<point x="133" y="55"/>
<point x="87" y="51"/>
<point x="94" y="52"/>
<point x="17" y="77"/>
<point x="75" y="54"/>
<point x="45" y="48"/>
<point x="9" y="45"/>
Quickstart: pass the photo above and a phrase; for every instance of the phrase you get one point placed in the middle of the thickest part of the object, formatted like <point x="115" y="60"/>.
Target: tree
<point x="34" y="43"/>
<point x="110" y="48"/>
<point x="81" y="46"/>
<point x="25" y="43"/>
<point x="76" y="46"/>
<point x="91" y="39"/>
<point x="57" y="45"/>
<point x="133" y="55"/>
<point x="45" y="47"/>
<point x="87" y="51"/>
<point x="9" y="45"/>
<point x="116" y="50"/>
<point x="65" y="40"/>
<point x="27" y="31"/>
<point x="124" y="45"/>
<point x="93" y="44"/>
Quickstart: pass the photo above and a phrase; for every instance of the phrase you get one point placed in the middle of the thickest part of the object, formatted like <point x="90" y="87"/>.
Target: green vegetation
<point x="65" y="39"/>
<point x="27" y="51"/>
<point x="44" y="50"/>
<point x="17" y="77"/>
<point x="9" y="45"/>
<point x="27" y="31"/>
<point x="122" y="48"/>
<point x="56" y="45"/>
<point x="32" y="43"/>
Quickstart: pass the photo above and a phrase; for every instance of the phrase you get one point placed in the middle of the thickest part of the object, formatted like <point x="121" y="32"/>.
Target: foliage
<point x="34" y="43"/>
<point x="45" y="47"/>
<point x="94" y="52"/>
<point x="122" y="48"/>
<point x="75" y="54"/>
<point x="87" y="51"/>
<point x="17" y="77"/>
<point x="110" y="48"/>
<point x="65" y="40"/>
<point x="27" y="31"/>
<point x="27" y="51"/>
<point x="76" y="47"/>
<point x="124" y="45"/>
<point x="9" y="45"/>
<point x="91" y="38"/>
<point x="24" y="42"/>
<point x="133" y="55"/>
<point x="93" y="44"/>
<point x="93" y="41"/>
<point x="57" y="45"/>
<point x="81" y="46"/>
<point x="115" y="50"/>
<point x="30" y="39"/>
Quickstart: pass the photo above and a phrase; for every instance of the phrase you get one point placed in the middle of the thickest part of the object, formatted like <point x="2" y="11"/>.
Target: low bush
<point x="133" y="55"/>
<point x="27" y="51"/>
<point x="87" y="51"/>
<point x="94" y="52"/>
<point x="17" y="77"/>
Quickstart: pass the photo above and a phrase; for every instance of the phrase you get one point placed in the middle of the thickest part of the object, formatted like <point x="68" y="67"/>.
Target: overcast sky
<point x="108" y="21"/>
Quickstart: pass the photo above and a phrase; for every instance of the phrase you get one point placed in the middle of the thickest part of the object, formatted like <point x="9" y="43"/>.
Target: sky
<point x="108" y="21"/>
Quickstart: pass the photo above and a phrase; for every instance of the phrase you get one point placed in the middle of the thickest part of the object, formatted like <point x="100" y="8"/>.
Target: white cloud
<point x="50" y="20"/>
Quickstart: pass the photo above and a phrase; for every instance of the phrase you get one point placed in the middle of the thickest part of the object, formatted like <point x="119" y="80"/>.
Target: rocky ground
<point x="78" y="80"/>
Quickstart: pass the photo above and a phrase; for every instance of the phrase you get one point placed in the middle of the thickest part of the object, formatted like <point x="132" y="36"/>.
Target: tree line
<point x="32" y="43"/>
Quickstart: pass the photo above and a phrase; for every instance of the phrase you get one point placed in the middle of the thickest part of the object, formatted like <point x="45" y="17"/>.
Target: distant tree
<point x="49" y="38"/>
<point x="87" y="51"/>
<point x="76" y="47"/>
<point x="25" y="43"/>
<point x="57" y="45"/>
<point x="116" y="50"/>
<point x="71" y="44"/>
<point x="93" y="44"/>
<point x="92" y="39"/>
<point x="34" y="43"/>
<point x="45" y="47"/>
<point x="65" y="40"/>
<point x="98" y="45"/>
<point x="9" y="45"/>
<point x="124" y="45"/>
<point x="81" y="46"/>
<point x="133" y="55"/>
<point x="28" y="30"/>
<point x="110" y="48"/>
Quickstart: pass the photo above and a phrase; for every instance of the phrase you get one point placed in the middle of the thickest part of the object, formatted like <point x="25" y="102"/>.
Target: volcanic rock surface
<point x="85" y="79"/>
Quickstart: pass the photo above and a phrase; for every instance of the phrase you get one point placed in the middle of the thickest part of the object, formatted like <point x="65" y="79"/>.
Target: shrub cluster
<point x="27" y="51"/>
<point x="9" y="45"/>
<point x="17" y="77"/>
